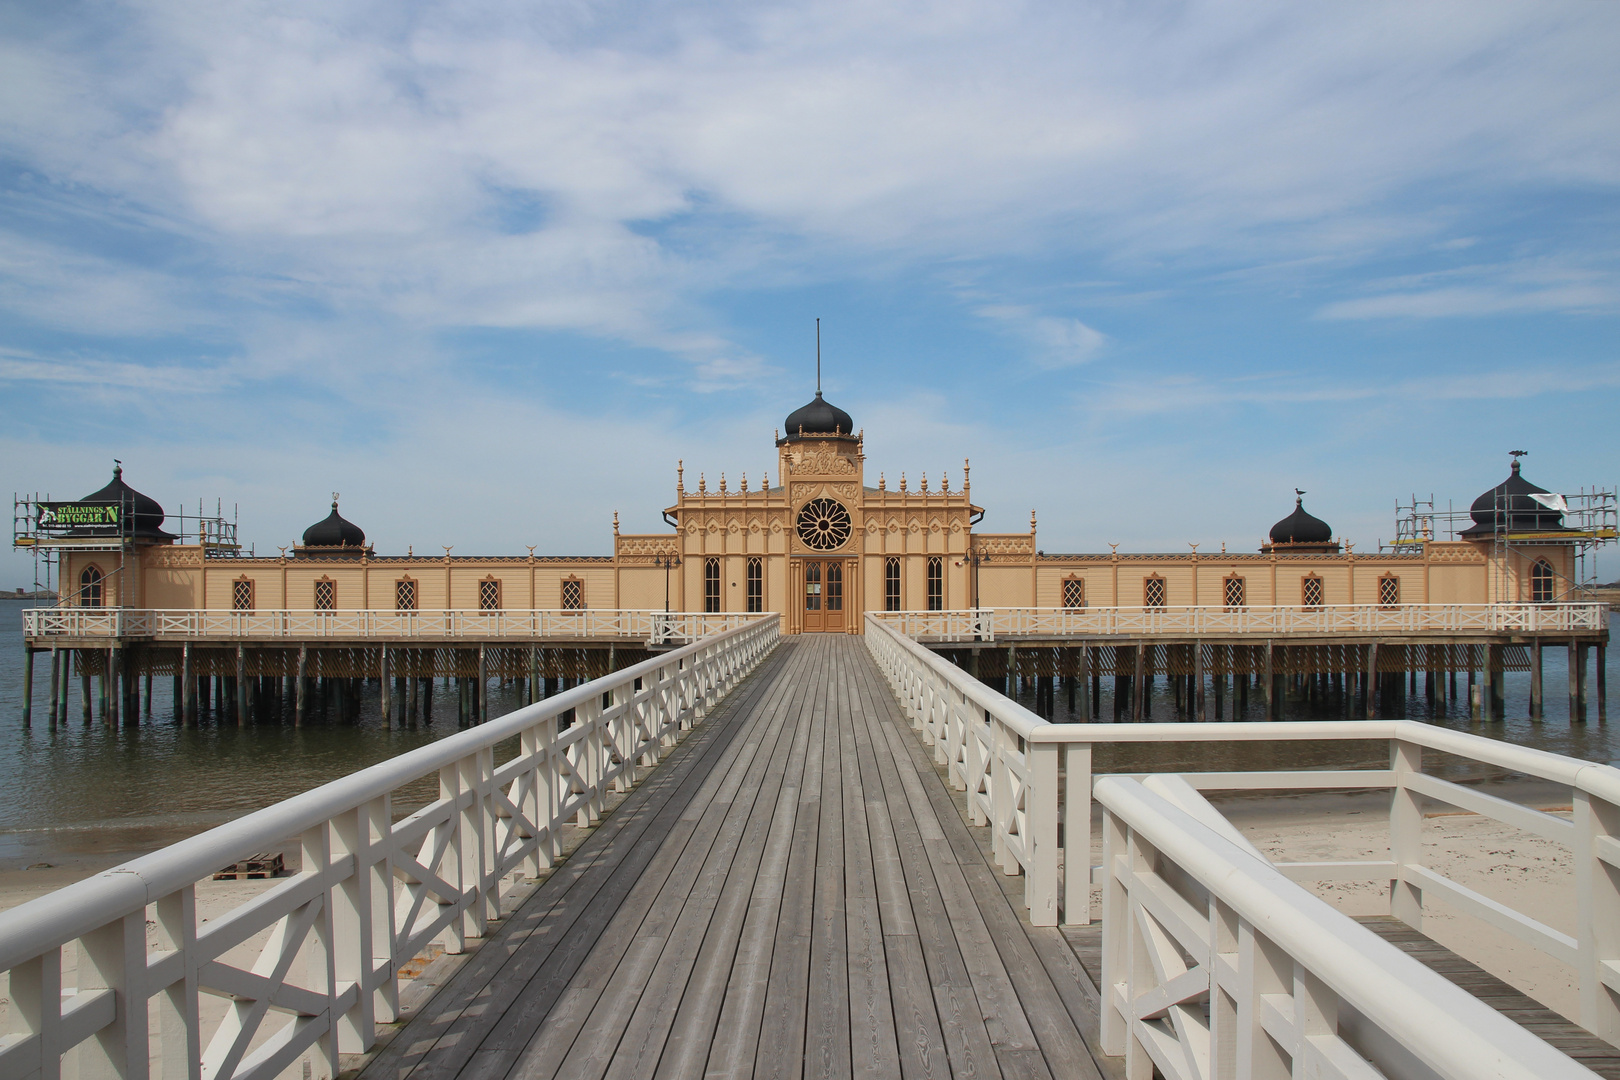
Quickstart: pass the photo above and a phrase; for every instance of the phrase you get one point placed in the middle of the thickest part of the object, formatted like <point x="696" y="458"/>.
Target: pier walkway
<point x="793" y="892"/>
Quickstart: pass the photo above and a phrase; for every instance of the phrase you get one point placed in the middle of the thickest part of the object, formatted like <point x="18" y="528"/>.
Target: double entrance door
<point x="823" y="595"/>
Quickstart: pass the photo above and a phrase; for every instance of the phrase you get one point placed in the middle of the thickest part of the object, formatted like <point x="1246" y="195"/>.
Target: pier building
<point x="823" y="546"/>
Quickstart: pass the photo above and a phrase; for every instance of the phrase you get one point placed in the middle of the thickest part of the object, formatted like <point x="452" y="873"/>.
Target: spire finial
<point x="334" y="500"/>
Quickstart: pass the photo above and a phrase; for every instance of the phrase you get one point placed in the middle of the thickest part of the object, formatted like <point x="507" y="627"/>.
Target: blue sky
<point x="490" y="269"/>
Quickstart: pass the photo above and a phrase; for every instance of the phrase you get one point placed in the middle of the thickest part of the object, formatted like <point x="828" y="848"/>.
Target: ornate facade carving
<point x="821" y="461"/>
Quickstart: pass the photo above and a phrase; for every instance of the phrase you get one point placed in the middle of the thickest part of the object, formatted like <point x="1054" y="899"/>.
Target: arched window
<point x="711" y="585"/>
<point x="891" y="584"/>
<point x="90" y="587"/>
<point x="756" y="585"/>
<point x="489" y="594"/>
<point x="1389" y="590"/>
<point x="1310" y="591"/>
<point x="1153" y="591"/>
<point x="1074" y="592"/>
<point x="405" y="595"/>
<point x="242" y="594"/>
<point x="1541" y="582"/>
<point x="835" y="586"/>
<point x="573" y="594"/>
<point x="326" y="595"/>
<point x="1234" y="592"/>
<point x="936" y="583"/>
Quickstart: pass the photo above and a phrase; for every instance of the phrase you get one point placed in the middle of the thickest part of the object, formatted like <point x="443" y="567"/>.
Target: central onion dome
<point x="1301" y="532"/>
<point x="819" y="417"/>
<point x="1508" y="507"/>
<point x="141" y="514"/>
<point x="334" y="532"/>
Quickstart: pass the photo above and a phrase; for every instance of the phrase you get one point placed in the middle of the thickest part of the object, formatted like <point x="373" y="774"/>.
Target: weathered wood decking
<point x="792" y="893"/>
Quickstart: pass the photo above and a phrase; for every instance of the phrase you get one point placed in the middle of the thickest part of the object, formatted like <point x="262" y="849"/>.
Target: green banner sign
<point x="60" y="515"/>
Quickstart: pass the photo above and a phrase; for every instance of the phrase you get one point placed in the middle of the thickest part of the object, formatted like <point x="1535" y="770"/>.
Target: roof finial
<point x="1517" y="454"/>
<point x="1299" y="497"/>
<point x="334" y="500"/>
<point x="818" y="357"/>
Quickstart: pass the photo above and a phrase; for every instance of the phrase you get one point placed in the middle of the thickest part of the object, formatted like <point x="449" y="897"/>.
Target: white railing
<point x="376" y="886"/>
<point x="1023" y="777"/>
<point x="988" y="624"/>
<point x="1213" y="958"/>
<point x="656" y="627"/>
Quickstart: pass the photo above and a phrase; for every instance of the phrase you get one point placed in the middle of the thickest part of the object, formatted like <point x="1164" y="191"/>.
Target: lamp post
<point x="668" y="562"/>
<point x="974" y="558"/>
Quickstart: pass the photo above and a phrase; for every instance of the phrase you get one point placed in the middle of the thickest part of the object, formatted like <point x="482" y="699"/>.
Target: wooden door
<point x="823" y="596"/>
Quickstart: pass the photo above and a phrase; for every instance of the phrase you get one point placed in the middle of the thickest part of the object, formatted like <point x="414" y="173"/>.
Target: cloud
<point x="1055" y="342"/>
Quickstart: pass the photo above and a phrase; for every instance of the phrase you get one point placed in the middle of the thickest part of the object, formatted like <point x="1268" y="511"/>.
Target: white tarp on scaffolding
<point x="1551" y="501"/>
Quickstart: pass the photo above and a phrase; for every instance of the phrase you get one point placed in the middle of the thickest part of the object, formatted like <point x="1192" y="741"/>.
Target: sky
<point x="489" y="270"/>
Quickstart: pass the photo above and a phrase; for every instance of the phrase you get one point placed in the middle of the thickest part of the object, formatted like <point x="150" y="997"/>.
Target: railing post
<point x="1041" y="834"/>
<point x="1076" y="834"/>
<point x="1597" y="823"/>
<point x="1405" y="833"/>
<point x="1118" y="846"/>
<point x="320" y="952"/>
<point x="178" y="1023"/>
<point x="113" y="957"/>
<point x="1000" y="794"/>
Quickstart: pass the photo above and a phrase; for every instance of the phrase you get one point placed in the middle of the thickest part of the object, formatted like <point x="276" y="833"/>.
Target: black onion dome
<point x="334" y="531"/>
<point x="142" y="515"/>
<point x="819" y="418"/>
<point x="1510" y="500"/>
<point x="1301" y="527"/>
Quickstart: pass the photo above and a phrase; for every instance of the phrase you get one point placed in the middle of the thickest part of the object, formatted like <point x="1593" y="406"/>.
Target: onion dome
<point x="1301" y="527"/>
<point x="819" y="417"/>
<point x="141" y="515"/>
<point x="334" y="532"/>
<point x="1301" y="532"/>
<point x="1509" y="507"/>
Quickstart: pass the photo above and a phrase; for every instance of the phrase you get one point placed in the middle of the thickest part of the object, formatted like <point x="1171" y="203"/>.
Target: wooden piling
<point x="386" y="689"/>
<point x="187" y="692"/>
<point x="241" y="685"/>
<point x="1271" y="685"/>
<point x="113" y="666"/>
<point x="1536" y="704"/>
<point x="1372" y="681"/>
<point x="28" y="687"/>
<point x="301" y="687"/>
<point x="1198" y="682"/>
<point x="481" y="701"/>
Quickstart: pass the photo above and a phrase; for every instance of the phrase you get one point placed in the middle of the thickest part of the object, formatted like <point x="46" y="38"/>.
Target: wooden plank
<point x="441" y="1039"/>
<point x="622" y="964"/>
<point x="737" y="1034"/>
<point x="1031" y="976"/>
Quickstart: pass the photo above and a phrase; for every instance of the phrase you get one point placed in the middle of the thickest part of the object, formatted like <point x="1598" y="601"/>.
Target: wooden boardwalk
<point x="792" y="893"/>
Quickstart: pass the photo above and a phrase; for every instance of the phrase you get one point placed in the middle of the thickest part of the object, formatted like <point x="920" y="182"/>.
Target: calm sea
<point x="88" y="794"/>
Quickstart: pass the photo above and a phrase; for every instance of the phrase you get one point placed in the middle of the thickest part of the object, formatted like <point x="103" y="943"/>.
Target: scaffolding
<point x="1589" y="518"/>
<point x="215" y="533"/>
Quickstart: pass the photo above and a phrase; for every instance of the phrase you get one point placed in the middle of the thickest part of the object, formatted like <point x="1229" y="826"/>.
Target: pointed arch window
<point x="756" y="584"/>
<point x="711" y="585"/>
<point x="242" y="594"/>
<point x="90" y="583"/>
<point x="936" y="583"/>
<point x="1153" y="591"/>
<point x="326" y="595"/>
<point x="1541" y="582"/>
<point x="1389" y="590"/>
<point x="1310" y="591"/>
<point x="405" y="597"/>
<point x="891" y="584"/>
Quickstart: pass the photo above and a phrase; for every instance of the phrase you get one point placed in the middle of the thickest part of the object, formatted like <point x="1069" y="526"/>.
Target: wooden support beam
<point x="1537" y="705"/>
<point x="386" y="690"/>
<point x="301" y="686"/>
<point x="241" y="685"/>
<point x="28" y="687"/>
<point x="1372" y="681"/>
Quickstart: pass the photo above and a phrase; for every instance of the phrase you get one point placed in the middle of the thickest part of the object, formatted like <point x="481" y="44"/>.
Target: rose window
<point x="823" y="525"/>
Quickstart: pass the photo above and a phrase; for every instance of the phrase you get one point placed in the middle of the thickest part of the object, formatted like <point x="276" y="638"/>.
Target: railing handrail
<point x="1011" y="764"/>
<point x="75" y="910"/>
<point x="264" y="624"/>
<point x="1439" y="1023"/>
<point x="1250" y="620"/>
